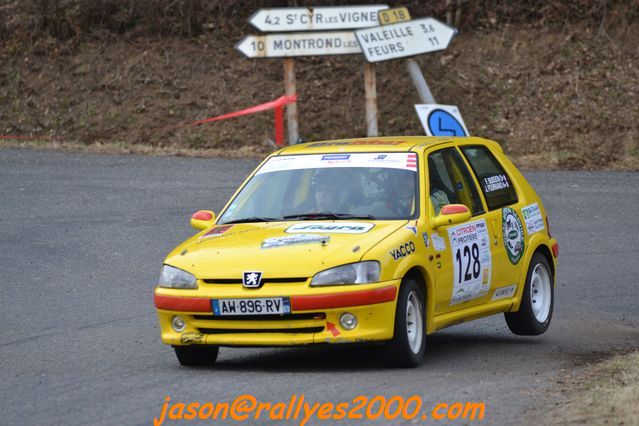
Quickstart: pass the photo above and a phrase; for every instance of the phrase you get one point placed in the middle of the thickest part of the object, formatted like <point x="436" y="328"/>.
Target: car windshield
<point x="381" y="186"/>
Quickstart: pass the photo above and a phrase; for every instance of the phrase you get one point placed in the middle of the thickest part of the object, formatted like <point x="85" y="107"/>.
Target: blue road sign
<point x="442" y="123"/>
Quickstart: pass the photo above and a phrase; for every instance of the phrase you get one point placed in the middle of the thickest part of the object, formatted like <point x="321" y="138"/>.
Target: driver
<point x="327" y="192"/>
<point x="401" y="191"/>
<point x="326" y="196"/>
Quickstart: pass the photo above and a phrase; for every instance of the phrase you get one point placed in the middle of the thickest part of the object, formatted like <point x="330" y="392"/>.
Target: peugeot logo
<point x="252" y="279"/>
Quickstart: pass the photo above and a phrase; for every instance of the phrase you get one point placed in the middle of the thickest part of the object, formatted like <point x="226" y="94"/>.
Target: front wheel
<point x="409" y="339"/>
<point x="535" y="311"/>
<point x="196" y="355"/>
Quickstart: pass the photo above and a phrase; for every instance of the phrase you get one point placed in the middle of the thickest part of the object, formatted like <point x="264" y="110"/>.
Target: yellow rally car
<point x="358" y="241"/>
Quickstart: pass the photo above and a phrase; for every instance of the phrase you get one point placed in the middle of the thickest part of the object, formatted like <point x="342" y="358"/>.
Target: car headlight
<point x="171" y="277"/>
<point x="353" y="273"/>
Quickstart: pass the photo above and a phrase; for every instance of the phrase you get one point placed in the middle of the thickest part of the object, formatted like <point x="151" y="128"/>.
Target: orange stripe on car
<point x="343" y="300"/>
<point x="182" y="304"/>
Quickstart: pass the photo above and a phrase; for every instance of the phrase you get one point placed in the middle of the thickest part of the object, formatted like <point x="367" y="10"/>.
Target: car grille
<point x="308" y="322"/>
<point x="270" y="330"/>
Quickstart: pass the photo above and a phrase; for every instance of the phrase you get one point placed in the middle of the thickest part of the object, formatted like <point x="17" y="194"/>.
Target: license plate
<point x="262" y="306"/>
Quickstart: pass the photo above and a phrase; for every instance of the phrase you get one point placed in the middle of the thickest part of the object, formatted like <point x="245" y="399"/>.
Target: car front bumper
<point x="314" y="318"/>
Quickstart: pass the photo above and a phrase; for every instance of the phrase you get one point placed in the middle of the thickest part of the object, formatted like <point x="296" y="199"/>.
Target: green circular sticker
<point x="513" y="233"/>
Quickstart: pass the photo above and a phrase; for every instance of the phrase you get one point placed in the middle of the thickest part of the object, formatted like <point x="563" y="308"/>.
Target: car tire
<point x="194" y="356"/>
<point x="409" y="338"/>
<point x="535" y="311"/>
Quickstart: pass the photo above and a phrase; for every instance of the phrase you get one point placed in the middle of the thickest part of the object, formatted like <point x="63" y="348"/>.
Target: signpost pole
<point x="291" y="109"/>
<point x="419" y="81"/>
<point x="370" y="95"/>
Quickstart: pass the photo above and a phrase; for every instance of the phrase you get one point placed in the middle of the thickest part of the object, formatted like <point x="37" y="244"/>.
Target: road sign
<point x="391" y="16"/>
<point x="441" y="120"/>
<point x="299" y="44"/>
<point x="316" y="18"/>
<point x="404" y="39"/>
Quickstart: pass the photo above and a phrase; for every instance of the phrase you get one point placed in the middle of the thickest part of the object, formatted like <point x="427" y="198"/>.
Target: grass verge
<point x="607" y="394"/>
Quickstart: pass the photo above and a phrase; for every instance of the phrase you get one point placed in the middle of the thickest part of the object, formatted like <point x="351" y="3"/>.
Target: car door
<point x="505" y="224"/>
<point x="462" y="251"/>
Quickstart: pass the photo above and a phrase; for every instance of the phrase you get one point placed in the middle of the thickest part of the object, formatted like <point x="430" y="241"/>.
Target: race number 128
<point x="468" y="264"/>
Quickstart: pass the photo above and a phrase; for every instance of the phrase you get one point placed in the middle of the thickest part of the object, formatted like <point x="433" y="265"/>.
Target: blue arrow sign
<point x="442" y="123"/>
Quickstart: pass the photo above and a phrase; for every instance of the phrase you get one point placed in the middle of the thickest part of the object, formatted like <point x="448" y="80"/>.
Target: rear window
<point x="493" y="180"/>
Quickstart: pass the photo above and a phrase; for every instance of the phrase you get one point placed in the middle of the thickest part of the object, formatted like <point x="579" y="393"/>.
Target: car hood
<point x="278" y="249"/>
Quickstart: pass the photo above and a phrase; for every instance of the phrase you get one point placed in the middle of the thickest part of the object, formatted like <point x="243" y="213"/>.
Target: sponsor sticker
<point x="513" y="233"/>
<point x="470" y="249"/>
<point x="290" y="240"/>
<point x="217" y="231"/>
<point x="403" y="250"/>
<point x="533" y="219"/>
<point x="412" y="229"/>
<point x="191" y="337"/>
<point x="336" y="157"/>
<point x="504" y="292"/>
<point x="439" y="243"/>
<point x="330" y="228"/>
<point x="426" y="241"/>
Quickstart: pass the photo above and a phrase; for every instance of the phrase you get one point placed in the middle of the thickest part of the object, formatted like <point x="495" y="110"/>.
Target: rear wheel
<point x="409" y="339"/>
<point x="535" y="311"/>
<point x="192" y="356"/>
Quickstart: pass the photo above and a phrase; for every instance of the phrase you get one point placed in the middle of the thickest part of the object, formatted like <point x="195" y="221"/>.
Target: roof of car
<point x="388" y="143"/>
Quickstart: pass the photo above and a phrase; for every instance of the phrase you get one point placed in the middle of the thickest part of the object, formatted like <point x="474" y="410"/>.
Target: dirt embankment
<point x="554" y="96"/>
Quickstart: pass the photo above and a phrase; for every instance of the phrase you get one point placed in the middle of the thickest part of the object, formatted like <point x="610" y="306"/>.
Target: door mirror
<point x="451" y="214"/>
<point x="202" y="219"/>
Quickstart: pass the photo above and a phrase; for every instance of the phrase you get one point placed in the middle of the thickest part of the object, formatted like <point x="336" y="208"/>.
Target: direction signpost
<point x="303" y="32"/>
<point x="299" y="44"/>
<point x="290" y="45"/>
<point x="404" y="39"/>
<point x="316" y="18"/>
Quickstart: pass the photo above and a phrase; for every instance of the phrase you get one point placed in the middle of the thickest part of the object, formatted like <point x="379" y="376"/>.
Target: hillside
<point x="555" y="94"/>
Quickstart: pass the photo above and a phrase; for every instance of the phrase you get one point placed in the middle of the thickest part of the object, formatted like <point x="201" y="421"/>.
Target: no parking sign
<point x="441" y="120"/>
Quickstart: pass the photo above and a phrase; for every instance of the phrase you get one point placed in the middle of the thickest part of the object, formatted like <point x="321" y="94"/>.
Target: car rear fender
<point x="538" y="242"/>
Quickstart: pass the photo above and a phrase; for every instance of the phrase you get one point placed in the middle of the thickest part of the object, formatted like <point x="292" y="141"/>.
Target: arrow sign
<point x="316" y="18"/>
<point x="441" y="120"/>
<point x="332" y="328"/>
<point x="299" y="44"/>
<point x="404" y="39"/>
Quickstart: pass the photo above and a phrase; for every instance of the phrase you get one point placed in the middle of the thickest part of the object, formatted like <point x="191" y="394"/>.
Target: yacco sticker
<point x="330" y="228"/>
<point x="513" y="233"/>
<point x="389" y="160"/>
<point x="470" y="248"/>
<point x="294" y="239"/>
<point x="403" y="250"/>
<point x="217" y="231"/>
<point x="504" y="292"/>
<point x="439" y="243"/>
<point x="533" y="219"/>
<point x="495" y="183"/>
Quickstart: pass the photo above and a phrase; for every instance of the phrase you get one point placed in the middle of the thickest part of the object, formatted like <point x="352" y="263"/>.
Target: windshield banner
<point x="390" y="160"/>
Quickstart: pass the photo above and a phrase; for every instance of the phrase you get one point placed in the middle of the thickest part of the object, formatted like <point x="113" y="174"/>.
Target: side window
<point x="495" y="183"/>
<point x="451" y="183"/>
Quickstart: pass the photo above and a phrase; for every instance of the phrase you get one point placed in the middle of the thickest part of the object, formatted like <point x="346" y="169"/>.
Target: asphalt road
<point x="82" y="238"/>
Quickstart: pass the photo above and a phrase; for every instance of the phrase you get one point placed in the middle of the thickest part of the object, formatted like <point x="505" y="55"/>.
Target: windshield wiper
<point x="328" y="215"/>
<point x="252" y="219"/>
